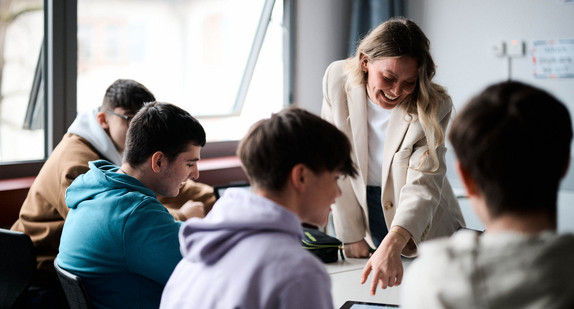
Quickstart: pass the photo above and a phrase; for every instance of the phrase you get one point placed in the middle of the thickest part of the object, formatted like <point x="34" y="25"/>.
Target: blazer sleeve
<point x="348" y="216"/>
<point x="422" y="192"/>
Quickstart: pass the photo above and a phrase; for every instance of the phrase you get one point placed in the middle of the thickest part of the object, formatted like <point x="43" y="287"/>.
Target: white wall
<point x="322" y="28"/>
<point x="462" y="31"/>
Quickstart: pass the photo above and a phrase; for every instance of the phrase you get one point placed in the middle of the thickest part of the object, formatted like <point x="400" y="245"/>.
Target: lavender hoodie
<point x="246" y="253"/>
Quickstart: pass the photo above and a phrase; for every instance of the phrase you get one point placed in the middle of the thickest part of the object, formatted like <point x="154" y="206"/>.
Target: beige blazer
<point x="422" y="203"/>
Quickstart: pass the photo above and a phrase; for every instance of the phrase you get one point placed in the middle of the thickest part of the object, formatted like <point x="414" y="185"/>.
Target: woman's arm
<point x="386" y="264"/>
<point x="419" y="199"/>
<point x="423" y="191"/>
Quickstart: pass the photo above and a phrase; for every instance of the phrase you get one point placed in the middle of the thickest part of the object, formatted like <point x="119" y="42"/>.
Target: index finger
<point x="375" y="281"/>
<point x="366" y="272"/>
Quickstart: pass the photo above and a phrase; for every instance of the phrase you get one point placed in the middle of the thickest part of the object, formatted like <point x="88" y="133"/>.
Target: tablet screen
<point x="218" y="190"/>
<point x="364" y="305"/>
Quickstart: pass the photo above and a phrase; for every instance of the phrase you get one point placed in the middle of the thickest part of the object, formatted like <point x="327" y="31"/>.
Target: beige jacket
<point x="44" y="210"/>
<point x="422" y="203"/>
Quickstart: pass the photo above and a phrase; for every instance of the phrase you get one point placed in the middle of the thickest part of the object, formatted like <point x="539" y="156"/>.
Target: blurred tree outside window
<point x="21" y="34"/>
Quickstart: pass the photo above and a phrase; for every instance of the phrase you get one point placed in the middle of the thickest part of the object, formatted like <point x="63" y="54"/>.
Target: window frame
<point x="59" y="74"/>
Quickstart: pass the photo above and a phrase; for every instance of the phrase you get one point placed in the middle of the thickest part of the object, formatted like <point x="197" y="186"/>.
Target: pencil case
<point x="326" y="248"/>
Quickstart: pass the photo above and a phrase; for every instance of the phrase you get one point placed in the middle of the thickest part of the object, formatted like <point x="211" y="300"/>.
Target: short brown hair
<point x="273" y="146"/>
<point x="127" y="94"/>
<point x="161" y="127"/>
<point x="514" y="141"/>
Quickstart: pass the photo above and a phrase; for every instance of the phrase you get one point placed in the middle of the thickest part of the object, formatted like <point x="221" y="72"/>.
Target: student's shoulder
<point x="75" y="148"/>
<point x="284" y="252"/>
<point x="437" y="259"/>
<point x="566" y="239"/>
<point x="69" y="159"/>
<point x="143" y="202"/>
<point x="562" y="244"/>
<point x="460" y="243"/>
<point x="300" y="262"/>
<point x="140" y="208"/>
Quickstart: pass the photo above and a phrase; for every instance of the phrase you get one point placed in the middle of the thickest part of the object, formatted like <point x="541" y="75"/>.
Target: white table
<point x="345" y="283"/>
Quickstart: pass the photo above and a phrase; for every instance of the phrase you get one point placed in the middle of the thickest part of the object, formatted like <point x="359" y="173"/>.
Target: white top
<point x="378" y="119"/>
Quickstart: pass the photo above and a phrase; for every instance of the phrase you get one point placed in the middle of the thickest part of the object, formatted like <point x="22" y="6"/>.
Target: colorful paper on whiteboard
<point x="553" y="58"/>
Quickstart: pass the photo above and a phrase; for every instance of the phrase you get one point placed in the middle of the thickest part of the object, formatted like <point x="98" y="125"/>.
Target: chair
<point x="17" y="266"/>
<point x="74" y="288"/>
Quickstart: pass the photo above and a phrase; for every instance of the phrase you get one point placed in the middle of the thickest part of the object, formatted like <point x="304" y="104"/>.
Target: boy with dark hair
<point x="247" y="252"/>
<point x="503" y="139"/>
<point x="94" y="135"/>
<point x="118" y="237"/>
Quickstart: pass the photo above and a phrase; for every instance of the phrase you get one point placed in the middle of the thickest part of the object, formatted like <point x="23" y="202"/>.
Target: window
<point x="21" y="33"/>
<point x="192" y="53"/>
<point x="222" y="60"/>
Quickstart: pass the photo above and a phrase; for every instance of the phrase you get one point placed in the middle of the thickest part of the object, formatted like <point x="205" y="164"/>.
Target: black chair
<point x="74" y="288"/>
<point x="17" y="266"/>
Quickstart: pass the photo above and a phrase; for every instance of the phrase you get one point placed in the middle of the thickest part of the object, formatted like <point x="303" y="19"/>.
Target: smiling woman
<point x="390" y="80"/>
<point x="384" y="99"/>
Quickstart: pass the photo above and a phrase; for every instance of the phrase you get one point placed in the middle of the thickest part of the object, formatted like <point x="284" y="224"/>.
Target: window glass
<point x="21" y="33"/>
<point x="192" y="53"/>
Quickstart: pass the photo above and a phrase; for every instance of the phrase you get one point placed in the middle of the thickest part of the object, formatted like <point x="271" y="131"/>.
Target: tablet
<point x="350" y="304"/>
<point x="218" y="190"/>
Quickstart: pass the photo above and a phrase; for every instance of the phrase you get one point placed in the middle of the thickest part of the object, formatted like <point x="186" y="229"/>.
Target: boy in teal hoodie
<point x="118" y="237"/>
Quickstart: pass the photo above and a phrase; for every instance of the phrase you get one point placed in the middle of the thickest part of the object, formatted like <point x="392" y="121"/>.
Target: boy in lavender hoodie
<point x="247" y="252"/>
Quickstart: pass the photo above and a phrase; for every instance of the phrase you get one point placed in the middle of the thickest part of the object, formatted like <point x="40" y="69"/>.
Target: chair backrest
<point x="17" y="266"/>
<point x="74" y="288"/>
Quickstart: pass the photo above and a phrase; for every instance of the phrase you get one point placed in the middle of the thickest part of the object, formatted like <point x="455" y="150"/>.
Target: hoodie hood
<point x="86" y="126"/>
<point x="499" y="270"/>
<point x="101" y="177"/>
<point x="238" y="214"/>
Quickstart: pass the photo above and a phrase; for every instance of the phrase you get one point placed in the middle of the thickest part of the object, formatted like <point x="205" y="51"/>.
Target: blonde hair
<point x="398" y="37"/>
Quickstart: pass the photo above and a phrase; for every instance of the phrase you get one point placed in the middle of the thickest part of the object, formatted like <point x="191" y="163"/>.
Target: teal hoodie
<point x="119" y="238"/>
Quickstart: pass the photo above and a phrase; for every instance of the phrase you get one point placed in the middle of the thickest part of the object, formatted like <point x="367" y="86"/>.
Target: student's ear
<point x="298" y="177"/>
<point x="157" y="161"/>
<point x="102" y="120"/>
<point x="468" y="182"/>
